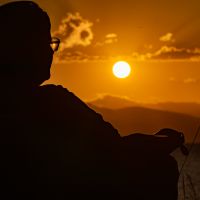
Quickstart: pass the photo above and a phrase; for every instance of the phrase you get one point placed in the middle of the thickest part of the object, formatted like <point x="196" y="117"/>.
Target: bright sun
<point x="121" y="69"/>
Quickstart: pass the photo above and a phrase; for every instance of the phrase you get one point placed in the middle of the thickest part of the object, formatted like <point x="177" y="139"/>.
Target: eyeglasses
<point x="55" y="42"/>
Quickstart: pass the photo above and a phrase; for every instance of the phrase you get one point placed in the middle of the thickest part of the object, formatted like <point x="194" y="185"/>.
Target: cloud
<point x="77" y="44"/>
<point x="73" y="31"/>
<point x="167" y="52"/>
<point x="170" y="53"/>
<point x="71" y="56"/>
<point x="112" y="101"/>
<point x="190" y="80"/>
<point x="168" y="37"/>
<point x="111" y="96"/>
<point x="110" y="38"/>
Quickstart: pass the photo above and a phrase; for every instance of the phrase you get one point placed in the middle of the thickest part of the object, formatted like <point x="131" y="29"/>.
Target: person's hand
<point x="176" y="139"/>
<point x="176" y="136"/>
<point x="162" y="143"/>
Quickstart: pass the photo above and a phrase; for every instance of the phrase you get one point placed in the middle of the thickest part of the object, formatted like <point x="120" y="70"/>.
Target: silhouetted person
<point x="52" y="145"/>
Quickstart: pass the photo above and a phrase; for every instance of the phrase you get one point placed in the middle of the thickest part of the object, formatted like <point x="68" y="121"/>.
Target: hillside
<point x="114" y="102"/>
<point x="145" y="120"/>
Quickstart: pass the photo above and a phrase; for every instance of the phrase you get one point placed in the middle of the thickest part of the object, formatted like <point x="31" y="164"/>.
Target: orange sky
<point x="160" y="39"/>
<point x="150" y="81"/>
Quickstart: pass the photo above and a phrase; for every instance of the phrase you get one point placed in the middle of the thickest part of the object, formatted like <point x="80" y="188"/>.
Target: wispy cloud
<point x="165" y="53"/>
<point x="190" y="80"/>
<point x="112" y="101"/>
<point x="168" y="37"/>
<point x="72" y="56"/>
<point x="110" y="38"/>
<point x="74" y="30"/>
<point x="110" y="96"/>
<point x="77" y="45"/>
<point x="170" y="53"/>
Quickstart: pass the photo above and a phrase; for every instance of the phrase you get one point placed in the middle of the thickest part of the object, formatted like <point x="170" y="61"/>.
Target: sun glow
<point x="121" y="69"/>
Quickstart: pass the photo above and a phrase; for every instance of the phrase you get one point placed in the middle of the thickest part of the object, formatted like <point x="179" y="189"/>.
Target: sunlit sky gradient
<point x="160" y="40"/>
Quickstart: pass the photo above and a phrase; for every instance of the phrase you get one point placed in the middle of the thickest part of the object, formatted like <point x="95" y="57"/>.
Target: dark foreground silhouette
<point x="53" y="146"/>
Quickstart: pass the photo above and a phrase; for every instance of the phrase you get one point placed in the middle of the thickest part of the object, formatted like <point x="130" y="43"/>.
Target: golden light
<point x="121" y="69"/>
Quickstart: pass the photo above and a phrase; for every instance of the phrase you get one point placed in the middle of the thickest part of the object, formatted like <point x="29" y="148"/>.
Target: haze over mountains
<point x="115" y="102"/>
<point x="130" y="117"/>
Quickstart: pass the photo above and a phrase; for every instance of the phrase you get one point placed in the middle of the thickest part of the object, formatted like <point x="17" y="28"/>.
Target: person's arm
<point x="95" y="129"/>
<point x="162" y="143"/>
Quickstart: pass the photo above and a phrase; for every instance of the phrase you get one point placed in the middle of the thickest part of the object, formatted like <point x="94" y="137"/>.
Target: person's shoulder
<point x="57" y="94"/>
<point x="51" y="89"/>
<point x="65" y="103"/>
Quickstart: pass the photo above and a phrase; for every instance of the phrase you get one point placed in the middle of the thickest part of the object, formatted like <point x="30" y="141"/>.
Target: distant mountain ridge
<point x="186" y="108"/>
<point x="146" y="120"/>
<point x="114" y="102"/>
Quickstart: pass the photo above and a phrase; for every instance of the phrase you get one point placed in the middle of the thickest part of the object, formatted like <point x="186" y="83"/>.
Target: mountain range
<point x="115" y="102"/>
<point x="130" y="117"/>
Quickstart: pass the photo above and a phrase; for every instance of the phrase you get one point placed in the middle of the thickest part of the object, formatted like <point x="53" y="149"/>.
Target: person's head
<point x="25" y="50"/>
